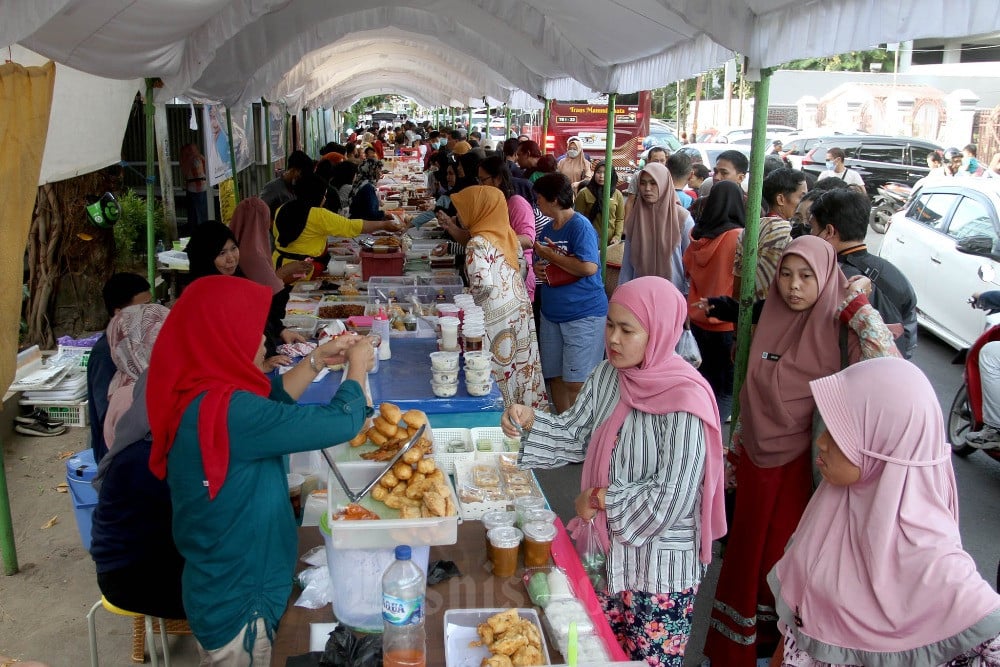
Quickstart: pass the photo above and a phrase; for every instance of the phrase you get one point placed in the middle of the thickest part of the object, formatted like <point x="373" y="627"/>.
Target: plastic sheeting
<point x="238" y="50"/>
<point x="25" y="100"/>
<point x="88" y="120"/>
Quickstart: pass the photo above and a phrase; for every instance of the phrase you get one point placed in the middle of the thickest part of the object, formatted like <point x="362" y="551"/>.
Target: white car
<point x="946" y="241"/>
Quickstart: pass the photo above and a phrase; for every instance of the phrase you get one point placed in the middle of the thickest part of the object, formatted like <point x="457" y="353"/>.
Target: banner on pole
<point x="217" y="142"/>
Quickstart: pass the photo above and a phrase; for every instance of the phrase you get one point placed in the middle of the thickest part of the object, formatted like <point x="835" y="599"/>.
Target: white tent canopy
<point x="237" y="50"/>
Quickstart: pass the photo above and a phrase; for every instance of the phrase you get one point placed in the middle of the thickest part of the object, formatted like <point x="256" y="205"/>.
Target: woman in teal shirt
<point x="220" y="428"/>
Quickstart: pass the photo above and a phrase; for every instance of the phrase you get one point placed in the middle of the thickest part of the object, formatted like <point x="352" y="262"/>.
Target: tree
<point x="852" y="61"/>
<point x="68" y="260"/>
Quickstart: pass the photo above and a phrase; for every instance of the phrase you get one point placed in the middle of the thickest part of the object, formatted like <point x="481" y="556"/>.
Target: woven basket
<point x="174" y="627"/>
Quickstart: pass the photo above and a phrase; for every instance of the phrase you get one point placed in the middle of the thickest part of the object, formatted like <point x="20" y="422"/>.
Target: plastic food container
<point x="444" y="361"/>
<point x="478" y="376"/>
<point x="538" y="536"/>
<point x="444" y="377"/>
<point x="478" y="388"/>
<point x="357" y="599"/>
<point x="505" y="545"/>
<point x="460" y="632"/>
<point x="496" y="519"/>
<point x="478" y="361"/>
<point x="525" y="503"/>
<point x="444" y="390"/>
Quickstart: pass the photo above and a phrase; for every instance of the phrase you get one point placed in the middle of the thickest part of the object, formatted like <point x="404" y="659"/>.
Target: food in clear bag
<point x="687" y="348"/>
<point x="592" y="555"/>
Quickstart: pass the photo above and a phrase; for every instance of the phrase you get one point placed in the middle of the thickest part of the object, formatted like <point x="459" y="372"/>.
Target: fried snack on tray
<point x="355" y="512"/>
<point x="513" y="641"/>
<point x="414" y="418"/>
<point x="390" y="413"/>
<point x="360" y="439"/>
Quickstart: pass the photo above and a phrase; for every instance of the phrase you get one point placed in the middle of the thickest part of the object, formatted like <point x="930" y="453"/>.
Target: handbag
<point x="555" y="275"/>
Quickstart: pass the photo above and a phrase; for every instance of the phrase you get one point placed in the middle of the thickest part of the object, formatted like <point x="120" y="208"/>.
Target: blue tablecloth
<point x="405" y="380"/>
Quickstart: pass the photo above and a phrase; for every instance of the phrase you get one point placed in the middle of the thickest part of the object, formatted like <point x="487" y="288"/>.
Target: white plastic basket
<point x="69" y="413"/>
<point x="446" y="460"/>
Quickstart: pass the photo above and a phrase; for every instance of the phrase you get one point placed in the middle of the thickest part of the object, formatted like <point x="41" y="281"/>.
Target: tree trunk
<point x="699" y="83"/>
<point x="69" y="259"/>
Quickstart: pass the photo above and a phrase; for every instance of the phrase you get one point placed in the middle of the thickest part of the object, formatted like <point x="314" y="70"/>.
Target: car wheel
<point x="959" y="423"/>
<point x="881" y="216"/>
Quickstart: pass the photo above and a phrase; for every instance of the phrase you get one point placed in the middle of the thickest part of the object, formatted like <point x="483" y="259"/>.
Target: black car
<point x="877" y="159"/>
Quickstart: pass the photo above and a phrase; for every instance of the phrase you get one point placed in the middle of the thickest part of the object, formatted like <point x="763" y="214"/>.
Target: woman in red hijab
<point x="647" y="429"/>
<point x="220" y="428"/>
<point x="814" y="322"/>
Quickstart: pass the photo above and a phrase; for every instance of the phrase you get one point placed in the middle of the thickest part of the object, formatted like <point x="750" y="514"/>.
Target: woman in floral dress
<point x="491" y="263"/>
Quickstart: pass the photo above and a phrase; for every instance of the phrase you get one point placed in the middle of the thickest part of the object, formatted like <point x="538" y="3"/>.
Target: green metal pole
<point x="545" y="124"/>
<point x="267" y="132"/>
<point x="609" y="146"/>
<point x="507" y="127"/>
<point x="232" y="155"/>
<point x="8" y="550"/>
<point x="762" y="91"/>
<point x="150" y="201"/>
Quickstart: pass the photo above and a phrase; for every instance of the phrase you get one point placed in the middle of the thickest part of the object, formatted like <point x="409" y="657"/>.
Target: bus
<point x="588" y="120"/>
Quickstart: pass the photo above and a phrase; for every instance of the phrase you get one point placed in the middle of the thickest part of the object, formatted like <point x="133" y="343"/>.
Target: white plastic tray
<point x="460" y="631"/>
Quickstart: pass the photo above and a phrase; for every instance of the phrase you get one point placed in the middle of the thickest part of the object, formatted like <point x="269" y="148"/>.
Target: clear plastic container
<point x="538" y="536"/>
<point x="404" y="591"/>
<point x="524" y="503"/>
<point x="506" y="544"/>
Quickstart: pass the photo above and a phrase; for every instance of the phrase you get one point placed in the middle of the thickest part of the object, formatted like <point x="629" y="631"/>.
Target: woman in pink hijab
<point x="131" y="334"/>
<point x="251" y="225"/>
<point x="814" y="322"/>
<point x="646" y="427"/>
<point x="875" y="574"/>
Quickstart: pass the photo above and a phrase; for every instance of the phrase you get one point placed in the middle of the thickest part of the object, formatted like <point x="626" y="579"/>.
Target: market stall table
<point x="475" y="588"/>
<point x="406" y="381"/>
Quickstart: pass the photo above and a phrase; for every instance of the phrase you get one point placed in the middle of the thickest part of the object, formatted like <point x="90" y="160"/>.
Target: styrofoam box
<point x="460" y="631"/>
<point x="386" y="533"/>
<point x="445" y="459"/>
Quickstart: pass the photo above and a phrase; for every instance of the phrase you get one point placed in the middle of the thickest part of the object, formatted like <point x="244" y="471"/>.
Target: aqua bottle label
<point x="397" y="611"/>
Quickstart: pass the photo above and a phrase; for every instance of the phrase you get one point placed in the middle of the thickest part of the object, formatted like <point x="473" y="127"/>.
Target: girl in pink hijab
<point x="131" y="334"/>
<point x="646" y="427"/>
<point x="875" y="574"/>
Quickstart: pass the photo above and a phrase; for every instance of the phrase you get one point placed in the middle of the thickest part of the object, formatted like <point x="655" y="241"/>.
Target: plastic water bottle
<point x="403" y="592"/>
<point x="383" y="328"/>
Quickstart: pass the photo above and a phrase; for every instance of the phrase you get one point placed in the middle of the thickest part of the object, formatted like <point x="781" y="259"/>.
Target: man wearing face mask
<point x="835" y="168"/>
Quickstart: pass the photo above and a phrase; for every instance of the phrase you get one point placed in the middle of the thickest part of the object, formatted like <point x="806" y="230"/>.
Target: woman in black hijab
<point x="213" y="251"/>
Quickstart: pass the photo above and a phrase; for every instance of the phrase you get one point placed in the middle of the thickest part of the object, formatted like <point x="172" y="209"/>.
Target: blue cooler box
<point x="80" y="472"/>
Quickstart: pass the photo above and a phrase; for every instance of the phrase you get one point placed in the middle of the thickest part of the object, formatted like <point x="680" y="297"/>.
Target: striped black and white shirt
<point x="653" y="499"/>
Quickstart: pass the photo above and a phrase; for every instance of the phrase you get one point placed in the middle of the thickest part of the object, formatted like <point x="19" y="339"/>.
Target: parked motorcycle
<point x="891" y="197"/>
<point x="966" y="413"/>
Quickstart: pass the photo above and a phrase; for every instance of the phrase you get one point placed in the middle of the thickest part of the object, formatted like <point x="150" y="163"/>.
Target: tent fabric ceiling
<point x="236" y="50"/>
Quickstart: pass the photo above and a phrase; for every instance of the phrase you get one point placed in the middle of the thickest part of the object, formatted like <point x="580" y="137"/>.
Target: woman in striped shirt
<point x="646" y="427"/>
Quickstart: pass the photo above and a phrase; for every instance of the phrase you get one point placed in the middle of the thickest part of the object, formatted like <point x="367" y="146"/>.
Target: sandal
<point x="40" y="429"/>
<point x="38" y="416"/>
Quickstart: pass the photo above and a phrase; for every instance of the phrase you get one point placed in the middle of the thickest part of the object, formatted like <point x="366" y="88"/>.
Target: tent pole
<point x="507" y="126"/>
<point x="469" y="126"/>
<point x="267" y="132"/>
<point x="232" y="154"/>
<point x="150" y="202"/>
<point x="8" y="550"/>
<point x="545" y="124"/>
<point x="487" y="120"/>
<point x="609" y="147"/>
<point x="750" y="236"/>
